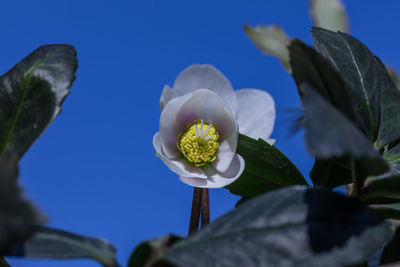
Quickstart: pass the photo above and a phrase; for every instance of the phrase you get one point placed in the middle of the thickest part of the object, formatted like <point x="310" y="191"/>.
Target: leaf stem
<point x="205" y="207"/>
<point x="327" y="172"/>
<point x="356" y="182"/>
<point x="195" y="213"/>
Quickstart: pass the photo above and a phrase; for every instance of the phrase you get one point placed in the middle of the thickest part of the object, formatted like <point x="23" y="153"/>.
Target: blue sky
<point x="94" y="171"/>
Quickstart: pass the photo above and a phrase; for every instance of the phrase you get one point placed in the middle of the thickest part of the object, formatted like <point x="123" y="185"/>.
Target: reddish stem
<point x="205" y="207"/>
<point x="195" y="213"/>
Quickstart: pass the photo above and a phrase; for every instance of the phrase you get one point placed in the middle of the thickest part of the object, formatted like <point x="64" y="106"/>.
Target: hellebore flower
<point x="199" y="125"/>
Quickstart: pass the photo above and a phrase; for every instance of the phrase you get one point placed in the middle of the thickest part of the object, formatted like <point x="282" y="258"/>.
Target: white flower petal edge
<point x="166" y="96"/>
<point x="170" y="127"/>
<point x="256" y="113"/>
<point x="208" y="77"/>
<point x="226" y="152"/>
<point x="179" y="166"/>
<point x="218" y="179"/>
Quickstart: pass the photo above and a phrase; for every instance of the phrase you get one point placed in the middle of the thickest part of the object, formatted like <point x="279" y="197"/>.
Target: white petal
<point x="170" y="127"/>
<point x="190" y="111"/>
<point x="226" y="152"/>
<point x="217" y="179"/>
<point x="271" y="141"/>
<point x="166" y="96"/>
<point x="208" y="77"/>
<point x="226" y="123"/>
<point x="208" y="106"/>
<point x="228" y="131"/>
<point x="256" y="113"/>
<point x="179" y="165"/>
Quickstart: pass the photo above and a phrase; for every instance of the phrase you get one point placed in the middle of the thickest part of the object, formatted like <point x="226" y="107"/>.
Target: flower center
<point x="199" y="144"/>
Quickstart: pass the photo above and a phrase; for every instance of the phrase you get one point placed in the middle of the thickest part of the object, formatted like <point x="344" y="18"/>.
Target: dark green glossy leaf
<point x="381" y="200"/>
<point x="52" y="243"/>
<point x="389" y="211"/>
<point x="332" y="127"/>
<point x="390" y="253"/>
<point x="266" y="169"/>
<point x="147" y="253"/>
<point x="330" y="173"/>
<point x="385" y="188"/>
<point x="311" y="68"/>
<point x="376" y="99"/>
<point x="31" y="94"/>
<point x="19" y="218"/>
<point x="388" y="187"/>
<point x="330" y="134"/>
<point x="293" y="226"/>
<point x="392" y="156"/>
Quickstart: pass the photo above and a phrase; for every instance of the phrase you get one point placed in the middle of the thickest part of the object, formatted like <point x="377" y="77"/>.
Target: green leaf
<point x="31" y="94"/>
<point x="388" y="187"/>
<point x="271" y="40"/>
<point x="266" y="169"/>
<point x="330" y="134"/>
<point x="332" y="126"/>
<point x="19" y="217"/>
<point x="148" y="252"/>
<point x="52" y="243"/>
<point x="390" y="252"/>
<point x="330" y="173"/>
<point x="376" y="99"/>
<point x="293" y="226"/>
<point x="389" y="211"/>
<point x="331" y="168"/>
<point x="311" y="68"/>
<point x="329" y="14"/>
<point x="385" y="188"/>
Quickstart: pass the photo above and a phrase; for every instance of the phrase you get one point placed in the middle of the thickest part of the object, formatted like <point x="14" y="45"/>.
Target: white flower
<point x="199" y="125"/>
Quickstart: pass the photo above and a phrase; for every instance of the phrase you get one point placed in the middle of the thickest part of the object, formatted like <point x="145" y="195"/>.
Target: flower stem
<point x="195" y="213"/>
<point x="205" y="207"/>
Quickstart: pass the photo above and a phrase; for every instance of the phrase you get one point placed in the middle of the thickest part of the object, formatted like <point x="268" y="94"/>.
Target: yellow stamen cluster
<point x="199" y="144"/>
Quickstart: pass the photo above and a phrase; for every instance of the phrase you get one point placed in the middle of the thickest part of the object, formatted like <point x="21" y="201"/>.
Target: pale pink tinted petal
<point x="170" y="127"/>
<point x="217" y="179"/>
<point x="210" y="103"/>
<point x="226" y="123"/>
<point x="208" y="106"/>
<point x="166" y="96"/>
<point x="190" y="111"/>
<point x="207" y="77"/>
<point x="226" y="152"/>
<point x="256" y="113"/>
<point x="179" y="165"/>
